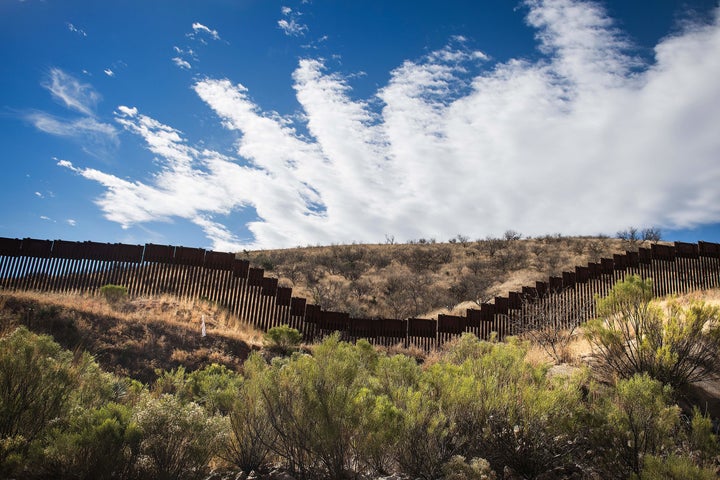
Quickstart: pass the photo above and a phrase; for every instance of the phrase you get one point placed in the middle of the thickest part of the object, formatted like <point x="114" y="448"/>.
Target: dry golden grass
<point x="137" y="336"/>
<point x="166" y="309"/>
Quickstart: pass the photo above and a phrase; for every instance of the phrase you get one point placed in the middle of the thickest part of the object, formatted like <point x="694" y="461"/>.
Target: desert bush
<point x="178" y="439"/>
<point x="704" y="442"/>
<point x="213" y="387"/>
<point x="37" y="379"/>
<point x="98" y="443"/>
<point x="458" y="469"/>
<point x="471" y="287"/>
<point x="673" y="467"/>
<point x="113" y="294"/>
<point x="520" y="418"/>
<point x="482" y="400"/>
<point x="283" y="339"/>
<point x="426" y="257"/>
<point x="407" y="295"/>
<point x="251" y="434"/>
<point x="426" y="440"/>
<point x="632" y="335"/>
<point x="311" y="404"/>
<point x="640" y="421"/>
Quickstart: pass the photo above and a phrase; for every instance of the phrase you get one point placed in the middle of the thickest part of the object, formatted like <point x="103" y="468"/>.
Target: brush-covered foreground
<point x="475" y="410"/>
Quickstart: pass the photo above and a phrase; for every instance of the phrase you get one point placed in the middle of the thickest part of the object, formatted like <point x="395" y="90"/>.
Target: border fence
<point x="80" y="267"/>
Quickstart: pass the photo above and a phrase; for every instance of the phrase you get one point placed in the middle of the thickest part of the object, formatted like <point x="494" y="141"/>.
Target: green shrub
<point x="312" y="404"/>
<point x="642" y="420"/>
<point x="702" y="438"/>
<point x="283" y="339"/>
<point x="251" y="433"/>
<point x="99" y="443"/>
<point x="37" y="379"/>
<point x="673" y="467"/>
<point x="213" y="387"/>
<point x="178" y="439"/>
<point x="632" y="335"/>
<point x="113" y="294"/>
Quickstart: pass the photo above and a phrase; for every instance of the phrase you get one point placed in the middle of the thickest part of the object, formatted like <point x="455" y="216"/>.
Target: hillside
<point x="139" y="335"/>
<point x="424" y="278"/>
<point x="136" y="336"/>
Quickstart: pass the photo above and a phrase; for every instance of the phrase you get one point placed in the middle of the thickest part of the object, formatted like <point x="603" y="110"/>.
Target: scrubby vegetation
<point x="335" y="410"/>
<point x="423" y="277"/>
<point x="676" y="345"/>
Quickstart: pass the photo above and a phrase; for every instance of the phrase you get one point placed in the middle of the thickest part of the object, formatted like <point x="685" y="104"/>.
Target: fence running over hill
<point x="63" y="266"/>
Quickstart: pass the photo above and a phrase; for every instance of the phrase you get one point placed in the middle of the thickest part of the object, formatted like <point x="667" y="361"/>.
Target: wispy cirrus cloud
<point x="586" y="139"/>
<point x="81" y="127"/>
<point x="93" y="134"/>
<point x="73" y="93"/>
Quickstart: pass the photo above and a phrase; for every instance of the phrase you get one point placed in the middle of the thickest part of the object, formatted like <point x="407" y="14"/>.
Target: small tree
<point x="550" y="321"/>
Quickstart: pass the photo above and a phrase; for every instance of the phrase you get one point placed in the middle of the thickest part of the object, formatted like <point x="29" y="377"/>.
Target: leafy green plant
<point x="37" y="379"/>
<point x="113" y="294"/>
<point x="642" y="418"/>
<point x="312" y="404"/>
<point x="283" y="339"/>
<point x="100" y="443"/>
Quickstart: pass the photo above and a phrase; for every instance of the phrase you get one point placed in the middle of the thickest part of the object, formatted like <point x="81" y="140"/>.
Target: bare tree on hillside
<point x="551" y="321"/>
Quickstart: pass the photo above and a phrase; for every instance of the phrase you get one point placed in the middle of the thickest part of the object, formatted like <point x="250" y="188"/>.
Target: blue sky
<point x="231" y="124"/>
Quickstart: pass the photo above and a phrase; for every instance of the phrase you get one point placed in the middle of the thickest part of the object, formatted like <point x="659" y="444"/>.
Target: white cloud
<point x="200" y="28"/>
<point x="109" y="72"/>
<point x="181" y="63"/>
<point x="581" y="141"/>
<point x="292" y="27"/>
<point x="46" y="218"/>
<point x="77" y="30"/>
<point x="290" y="24"/>
<point x="86" y="128"/>
<point x="39" y="195"/>
<point x="74" y="94"/>
<point x="128" y="111"/>
<point x="71" y="222"/>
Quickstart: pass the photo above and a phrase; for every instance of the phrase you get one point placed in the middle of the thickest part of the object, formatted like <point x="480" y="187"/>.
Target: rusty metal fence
<point x="80" y="267"/>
